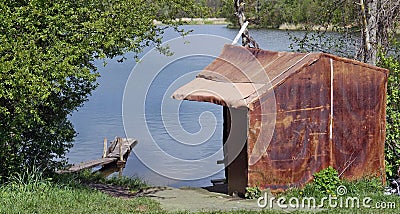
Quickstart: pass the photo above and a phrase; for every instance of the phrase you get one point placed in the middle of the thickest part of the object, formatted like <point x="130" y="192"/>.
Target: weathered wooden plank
<point x="127" y="145"/>
<point x="112" y="146"/>
<point x="113" y="155"/>
<point x="89" y="164"/>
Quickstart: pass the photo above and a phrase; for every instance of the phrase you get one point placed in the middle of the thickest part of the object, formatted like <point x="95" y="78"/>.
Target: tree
<point x="247" y="40"/>
<point x="227" y="11"/>
<point x="365" y="27"/>
<point x="378" y="25"/>
<point x="47" y="49"/>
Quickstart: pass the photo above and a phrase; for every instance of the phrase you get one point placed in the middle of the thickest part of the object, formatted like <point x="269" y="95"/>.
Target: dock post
<point x="105" y="148"/>
<point x="121" y="158"/>
<point x="120" y="172"/>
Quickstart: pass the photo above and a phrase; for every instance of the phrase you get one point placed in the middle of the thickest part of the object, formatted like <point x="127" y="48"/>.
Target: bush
<point x="327" y="180"/>
<point x="47" y="50"/>
<point x="392" y="143"/>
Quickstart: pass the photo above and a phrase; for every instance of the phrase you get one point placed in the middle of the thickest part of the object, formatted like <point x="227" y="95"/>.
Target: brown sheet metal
<point x="245" y="65"/>
<point x="221" y="93"/>
<point x="239" y="64"/>
<point x="359" y="118"/>
<point x="301" y="144"/>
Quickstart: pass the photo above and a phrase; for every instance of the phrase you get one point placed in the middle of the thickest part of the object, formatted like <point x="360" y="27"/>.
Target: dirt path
<point x="193" y="199"/>
<point x="197" y="199"/>
<point x="186" y="198"/>
<point x="115" y="191"/>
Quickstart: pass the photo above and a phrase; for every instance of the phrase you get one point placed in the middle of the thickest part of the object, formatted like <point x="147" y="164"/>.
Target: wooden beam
<point x="114" y="154"/>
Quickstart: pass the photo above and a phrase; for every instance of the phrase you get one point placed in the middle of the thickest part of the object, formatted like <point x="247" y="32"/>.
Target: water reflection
<point x="102" y="115"/>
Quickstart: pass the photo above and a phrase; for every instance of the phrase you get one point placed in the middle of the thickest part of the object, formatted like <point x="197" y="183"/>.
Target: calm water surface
<point x="101" y="116"/>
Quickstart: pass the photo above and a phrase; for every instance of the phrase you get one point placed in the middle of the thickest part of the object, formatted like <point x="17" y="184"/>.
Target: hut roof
<point x="239" y="76"/>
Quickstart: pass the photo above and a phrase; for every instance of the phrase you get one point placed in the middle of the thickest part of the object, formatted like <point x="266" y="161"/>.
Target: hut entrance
<point x="235" y="148"/>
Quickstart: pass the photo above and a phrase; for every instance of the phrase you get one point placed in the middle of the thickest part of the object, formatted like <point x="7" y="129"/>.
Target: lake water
<point x="102" y="116"/>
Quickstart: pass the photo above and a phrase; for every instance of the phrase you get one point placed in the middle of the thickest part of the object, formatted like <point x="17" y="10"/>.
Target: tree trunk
<point x="378" y="21"/>
<point x="367" y="31"/>
<point x="247" y="40"/>
<point x="373" y="28"/>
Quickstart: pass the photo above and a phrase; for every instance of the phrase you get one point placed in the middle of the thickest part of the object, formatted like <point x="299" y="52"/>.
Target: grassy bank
<point x="46" y="197"/>
<point x="31" y="193"/>
<point x="72" y="194"/>
<point x="363" y="196"/>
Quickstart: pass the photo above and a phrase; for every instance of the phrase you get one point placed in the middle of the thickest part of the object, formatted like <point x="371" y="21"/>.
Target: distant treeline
<point x="273" y="13"/>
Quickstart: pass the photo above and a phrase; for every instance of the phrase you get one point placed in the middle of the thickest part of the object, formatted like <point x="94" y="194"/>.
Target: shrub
<point x="327" y="180"/>
<point x="252" y="192"/>
<point x="392" y="143"/>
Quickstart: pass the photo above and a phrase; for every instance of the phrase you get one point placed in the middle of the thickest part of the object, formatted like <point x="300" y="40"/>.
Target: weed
<point x="252" y="192"/>
<point x="327" y="180"/>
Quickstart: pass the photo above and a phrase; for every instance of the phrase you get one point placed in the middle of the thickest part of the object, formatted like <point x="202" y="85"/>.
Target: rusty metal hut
<point x="288" y="115"/>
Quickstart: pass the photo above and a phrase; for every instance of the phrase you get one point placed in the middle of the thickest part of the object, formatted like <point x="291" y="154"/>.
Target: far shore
<point x="200" y="21"/>
<point x="224" y="21"/>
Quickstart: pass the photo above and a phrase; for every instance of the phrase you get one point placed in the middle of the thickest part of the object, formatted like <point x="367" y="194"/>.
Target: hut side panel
<point x="300" y="144"/>
<point x="359" y="118"/>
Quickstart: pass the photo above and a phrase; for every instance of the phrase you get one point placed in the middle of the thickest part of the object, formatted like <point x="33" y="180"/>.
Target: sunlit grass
<point x="370" y="189"/>
<point x="30" y="192"/>
<point x="47" y="197"/>
<point x="86" y="176"/>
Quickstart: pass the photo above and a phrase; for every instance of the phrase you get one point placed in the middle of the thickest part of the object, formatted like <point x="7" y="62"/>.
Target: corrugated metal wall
<point x="301" y="144"/>
<point x="359" y="120"/>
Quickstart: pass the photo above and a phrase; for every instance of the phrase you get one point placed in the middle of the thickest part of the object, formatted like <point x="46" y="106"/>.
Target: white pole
<point x="331" y="120"/>
<point x="242" y="29"/>
<point x="105" y="148"/>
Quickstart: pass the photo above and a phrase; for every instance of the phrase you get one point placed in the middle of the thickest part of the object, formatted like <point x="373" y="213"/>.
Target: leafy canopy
<point x="47" y="49"/>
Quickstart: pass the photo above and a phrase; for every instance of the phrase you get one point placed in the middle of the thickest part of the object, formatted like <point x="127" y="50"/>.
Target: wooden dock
<point x="116" y="154"/>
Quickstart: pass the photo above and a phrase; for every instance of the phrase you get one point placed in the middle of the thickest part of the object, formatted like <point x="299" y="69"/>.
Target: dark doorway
<point x="235" y="149"/>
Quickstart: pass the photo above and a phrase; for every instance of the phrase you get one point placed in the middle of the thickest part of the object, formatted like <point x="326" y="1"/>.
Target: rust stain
<point x="318" y="133"/>
<point x="287" y="121"/>
<point x="308" y="109"/>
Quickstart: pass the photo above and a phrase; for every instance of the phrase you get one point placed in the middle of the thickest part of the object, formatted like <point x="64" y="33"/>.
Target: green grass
<point x="86" y="176"/>
<point x="47" y="197"/>
<point x="30" y="192"/>
<point x="362" y="189"/>
<point x="369" y="189"/>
